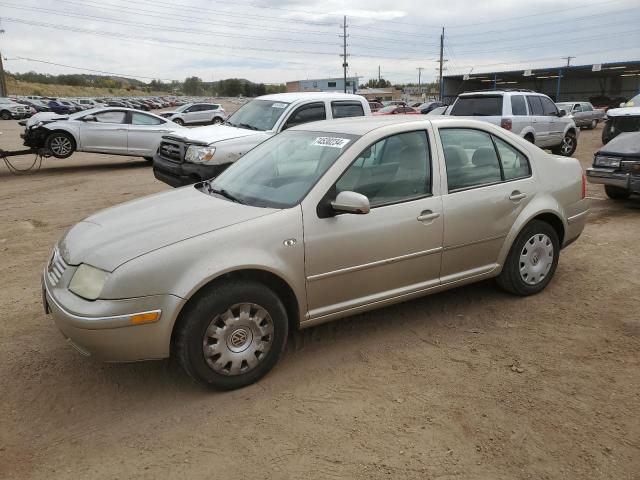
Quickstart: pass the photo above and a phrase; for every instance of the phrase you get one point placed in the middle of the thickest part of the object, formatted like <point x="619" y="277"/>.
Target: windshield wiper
<point x="247" y="126"/>
<point x="222" y="192"/>
<point x="231" y="124"/>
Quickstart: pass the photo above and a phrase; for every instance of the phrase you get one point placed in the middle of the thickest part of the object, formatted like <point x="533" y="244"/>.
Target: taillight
<point x="584" y="186"/>
<point x="506" y="123"/>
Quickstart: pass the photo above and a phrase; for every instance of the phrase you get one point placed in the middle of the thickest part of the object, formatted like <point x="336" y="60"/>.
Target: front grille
<point x="56" y="268"/>
<point x="172" y="150"/>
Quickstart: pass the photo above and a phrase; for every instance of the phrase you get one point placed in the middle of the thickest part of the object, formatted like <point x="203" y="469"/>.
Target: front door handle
<point x="516" y="196"/>
<point x="121" y="129"/>
<point x="427" y="216"/>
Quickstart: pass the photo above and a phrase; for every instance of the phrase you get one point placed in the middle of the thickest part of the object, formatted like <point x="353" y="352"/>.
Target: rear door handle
<point x="516" y="196"/>
<point x="121" y="129"/>
<point x="427" y="216"/>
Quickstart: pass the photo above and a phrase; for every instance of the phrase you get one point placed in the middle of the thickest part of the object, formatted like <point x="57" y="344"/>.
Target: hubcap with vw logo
<point x="237" y="340"/>
<point x="536" y="259"/>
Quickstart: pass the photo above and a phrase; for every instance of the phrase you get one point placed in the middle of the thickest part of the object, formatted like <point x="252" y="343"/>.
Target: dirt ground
<point x="468" y="384"/>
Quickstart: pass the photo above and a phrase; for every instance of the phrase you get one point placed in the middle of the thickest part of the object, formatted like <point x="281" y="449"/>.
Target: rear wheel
<point x="60" y="144"/>
<point x="5" y="115"/>
<point x="532" y="260"/>
<point x="568" y="145"/>
<point x="232" y="335"/>
<point x="616" y="193"/>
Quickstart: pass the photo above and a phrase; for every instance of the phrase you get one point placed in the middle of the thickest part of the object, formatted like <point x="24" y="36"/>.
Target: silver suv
<point x="531" y="115"/>
<point x="197" y="114"/>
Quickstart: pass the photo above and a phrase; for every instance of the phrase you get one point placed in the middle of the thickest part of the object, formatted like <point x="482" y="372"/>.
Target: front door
<point x="353" y="260"/>
<point x="489" y="183"/>
<point x="107" y="134"/>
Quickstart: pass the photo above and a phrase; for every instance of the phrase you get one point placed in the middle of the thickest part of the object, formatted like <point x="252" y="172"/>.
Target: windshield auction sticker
<point x="330" y="142"/>
<point x="278" y="105"/>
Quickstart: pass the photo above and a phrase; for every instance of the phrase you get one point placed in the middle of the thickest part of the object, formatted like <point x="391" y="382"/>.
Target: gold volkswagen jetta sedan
<point x="320" y="222"/>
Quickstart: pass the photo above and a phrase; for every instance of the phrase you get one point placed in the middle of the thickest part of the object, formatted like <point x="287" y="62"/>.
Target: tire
<point x="217" y="121"/>
<point x="532" y="260"/>
<point x="616" y="193"/>
<point x="5" y="115"/>
<point x="593" y="125"/>
<point x="60" y="144"/>
<point x="606" y="136"/>
<point x="568" y="145"/>
<point x="149" y="160"/>
<point x="217" y="354"/>
<point x="529" y="138"/>
<point x="179" y="121"/>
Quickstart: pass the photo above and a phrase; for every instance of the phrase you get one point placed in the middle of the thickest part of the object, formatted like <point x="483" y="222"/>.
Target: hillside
<point x="17" y="87"/>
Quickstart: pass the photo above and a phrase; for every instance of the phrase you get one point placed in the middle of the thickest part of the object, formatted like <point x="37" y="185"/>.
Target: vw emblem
<point x="239" y="338"/>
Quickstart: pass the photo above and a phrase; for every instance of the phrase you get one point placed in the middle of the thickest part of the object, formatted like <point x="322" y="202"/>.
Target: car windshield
<point x="258" y="115"/>
<point x="477" y="105"/>
<point x="634" y="102"/>
<point x="565" y="106"/>
<point x="183" y="107"/>
<point x="280" y="172"/>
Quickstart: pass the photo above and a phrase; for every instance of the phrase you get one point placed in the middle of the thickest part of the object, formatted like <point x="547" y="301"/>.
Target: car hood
<point x="45" y="117"/>
<point x="624" y="112"/>
<point x="626" y="144"/>
<point x="215" y="133"/>
<point x="116" y="235"/>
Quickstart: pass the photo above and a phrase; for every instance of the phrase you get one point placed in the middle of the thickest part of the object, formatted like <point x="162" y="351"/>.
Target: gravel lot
<point x="467" y="384"/>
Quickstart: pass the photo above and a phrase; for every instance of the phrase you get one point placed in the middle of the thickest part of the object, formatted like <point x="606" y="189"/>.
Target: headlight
<point x="88" y="281"/>
<point x="198" y="154"/>
<point x="609" y="162"/>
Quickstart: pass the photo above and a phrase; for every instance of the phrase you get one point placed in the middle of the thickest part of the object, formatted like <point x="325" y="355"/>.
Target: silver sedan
<point x="112" y="130"/>
<point x="320" y="222"/>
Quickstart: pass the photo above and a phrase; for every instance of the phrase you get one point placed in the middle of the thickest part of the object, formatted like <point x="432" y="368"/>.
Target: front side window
<point x="279" y="172"/>
<point x="142" y="119"/>
<point x="111" y="117"/>
<point x="394" y="169"/>
<point x="470" y="157"/>
<point x="346" y="109"/>
<point x="549" y="107"/>
<point x="306" y="114"/>
<point x="258" y="115"/>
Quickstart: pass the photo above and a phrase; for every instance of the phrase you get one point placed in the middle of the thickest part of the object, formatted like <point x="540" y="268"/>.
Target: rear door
<point x="344" y="109"/>
<point x="539" y="121"/>
<point x="107" y="134"/>
<point x="145" y="133"/>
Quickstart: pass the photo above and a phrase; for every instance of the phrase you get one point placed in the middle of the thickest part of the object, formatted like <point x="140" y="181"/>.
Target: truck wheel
<point x="60" y="144"/>
<point x="232" y="335"/>
<point x="594" y="124"/>
<point x="5" y="115"/>
<point x="532" y="260"/>
<point x="616" y="193"/>
<point x="568" y="145"/>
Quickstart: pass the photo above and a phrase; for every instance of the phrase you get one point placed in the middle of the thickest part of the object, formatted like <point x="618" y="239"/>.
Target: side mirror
<point x="622" y="105"/>
<point x="89" y="118"/>
<point x="563" y="113"/>
<point x="351" y="202"/>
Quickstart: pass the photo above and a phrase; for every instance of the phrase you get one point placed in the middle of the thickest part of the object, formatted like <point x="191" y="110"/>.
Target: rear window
<point x="346" y="109"/>
<point x="481" y="105"/>
<point x="518" y="106"/>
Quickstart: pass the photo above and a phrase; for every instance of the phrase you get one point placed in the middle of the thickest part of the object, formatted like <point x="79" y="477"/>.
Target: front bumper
<point x="20" y="115"/>
<point x="607" y="176"/>
<point x="179" y="174"/>
<point x="101" y="329"/>
<point x="34" y="137"/>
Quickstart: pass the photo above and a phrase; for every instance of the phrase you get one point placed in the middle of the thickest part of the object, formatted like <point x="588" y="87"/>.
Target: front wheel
<point x="5" y="115"/>
<point x="532" y="260"/>
<point x="568" y="145"/>
<point x="60" y="144"/>
<point x="593" y="125"/>
<point x="232" y="335"/>
<point x="217" y="121"/>
<point x="616" y="193"/>
<point x="179" y="121"/>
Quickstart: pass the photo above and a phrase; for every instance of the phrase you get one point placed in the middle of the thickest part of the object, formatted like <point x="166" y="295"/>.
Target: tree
<point x="192" y="86"/>
<point x="375" y="83"/>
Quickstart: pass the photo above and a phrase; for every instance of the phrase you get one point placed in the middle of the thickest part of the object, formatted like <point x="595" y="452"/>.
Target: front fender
<point x="64" y="127"/>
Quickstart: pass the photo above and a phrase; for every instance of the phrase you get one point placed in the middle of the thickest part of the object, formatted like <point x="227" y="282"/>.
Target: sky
<point x="277" y="41"/>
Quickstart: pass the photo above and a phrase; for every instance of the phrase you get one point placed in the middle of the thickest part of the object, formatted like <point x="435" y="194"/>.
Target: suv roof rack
<point x="502" y="90"/>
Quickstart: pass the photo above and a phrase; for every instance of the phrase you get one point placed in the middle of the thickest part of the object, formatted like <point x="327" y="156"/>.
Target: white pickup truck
<point x="201" y="153"/>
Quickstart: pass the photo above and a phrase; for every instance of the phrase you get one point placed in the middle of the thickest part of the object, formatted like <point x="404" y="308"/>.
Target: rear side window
<point x="346" y="109"/>
<point x="549" y="107"/>
<point x="470" y="158"/>
<point x="143" y="119"/>
<point x="480" y="105"/>
<point x="535" y="106"/>
<point x="514" y="164"/>
<point x="518" y="106"/>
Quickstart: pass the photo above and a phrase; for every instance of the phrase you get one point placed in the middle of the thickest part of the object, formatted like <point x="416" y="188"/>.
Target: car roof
<point x="501" y="92"/>
<point x="310" y="96"/>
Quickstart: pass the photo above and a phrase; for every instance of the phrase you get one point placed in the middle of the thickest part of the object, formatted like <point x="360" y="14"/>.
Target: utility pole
<point x="379" y="77"/>
<point x="344" y="51"/>
<point x="568" y="60"/>
<point x="3" y="83"/>
<point x="420" y="81"/>
<point x="441" y="63"/>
